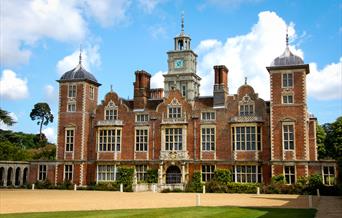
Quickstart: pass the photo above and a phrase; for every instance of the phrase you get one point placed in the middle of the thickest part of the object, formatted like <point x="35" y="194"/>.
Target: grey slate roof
<point x="77" y="74"/>
<point x="287" y="58"/>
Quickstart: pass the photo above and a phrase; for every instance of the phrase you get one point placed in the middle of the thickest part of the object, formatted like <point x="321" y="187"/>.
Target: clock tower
<point x="182" y="68"/>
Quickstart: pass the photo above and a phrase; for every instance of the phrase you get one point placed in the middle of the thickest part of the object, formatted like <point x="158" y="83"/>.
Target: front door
<point x="173" y="175"/>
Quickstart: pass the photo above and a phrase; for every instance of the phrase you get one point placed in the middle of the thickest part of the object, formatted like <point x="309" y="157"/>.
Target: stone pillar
<point x="183" y="173"/>
<point x="135" y="178"/>
<point x="160" y="174"/>
<point x="5" y="176"/>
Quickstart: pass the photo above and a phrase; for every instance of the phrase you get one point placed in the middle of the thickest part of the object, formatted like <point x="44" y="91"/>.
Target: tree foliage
<point x="41" y="112"/>
<point x="330" y="146"/>
<point x="6" y="118"/>
<point x="21" y="146"/>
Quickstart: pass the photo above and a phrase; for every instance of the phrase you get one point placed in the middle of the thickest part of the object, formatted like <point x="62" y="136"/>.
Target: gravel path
<point x="329" y="207"/>
<point x="19" y="201"/>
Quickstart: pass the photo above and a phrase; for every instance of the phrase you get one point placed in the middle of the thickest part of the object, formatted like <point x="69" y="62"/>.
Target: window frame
<point x="71" y="106"/>
<point x="288" y="174"/>
<point x="42" y="173"/>
<point x="69" y="145"/>
<point x="208" y="116"/>
<point x="138" y="118"/>
<point x="240" y="142"/>
<point x="109" y="142"/>
<point x="286" y="96"/>
<point x="207" y="172"/>
<point x="285" y="77"/>
<point x="288" y="136"/>
<point x="211" y="144"/>
<point x="329" y="174"/>
<point x="141" y="172"/>
<point x="91" y="92"/>
<point x="106" y="171"/>
<point x="68" y="173"/>
<point x="141" y="146"/>
<point x="177" y="139"/>
<point x="248" y="176"/>
<point x="72" y="90"/>
<point x="174" y="111"/>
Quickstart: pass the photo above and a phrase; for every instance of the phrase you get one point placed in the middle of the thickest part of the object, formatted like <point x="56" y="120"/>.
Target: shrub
<point x="314" y="182"/>
<point x="152" y="176"/>
<point x="45" y="184"/>
<point x="195" y="185"/>
<point x="278" y="179"/>
<point x="166" y="190"/>
<point x="107" y="186"/>
<point x="66" y="184"/>
<point x="125" y="176"/>
<point x="222" y="176"/>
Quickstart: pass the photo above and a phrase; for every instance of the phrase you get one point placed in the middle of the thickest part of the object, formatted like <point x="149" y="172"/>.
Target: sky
<point x="40" y="40"/>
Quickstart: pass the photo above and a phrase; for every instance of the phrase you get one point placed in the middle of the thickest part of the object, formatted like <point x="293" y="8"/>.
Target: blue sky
<point x="40" y="39"/>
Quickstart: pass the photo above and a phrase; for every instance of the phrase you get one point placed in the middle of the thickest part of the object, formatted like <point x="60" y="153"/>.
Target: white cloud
<point x="246" y="55"/>
<point x="12" y="87"/>
<point x="148" y="5"/>
<point x="50" y="94"/>
<point x="90" y="58"/>
<point x="157" y="80"/>
<point x="158" y="31"/>
<point x="108" y="12"/>
<point x="325" y="84"/>
<point x="50" y="134"/>
<point x="25" y="23"/>
<point x="6" y="127"/>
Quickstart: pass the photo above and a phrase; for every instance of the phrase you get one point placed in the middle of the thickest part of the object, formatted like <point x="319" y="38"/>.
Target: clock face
<point x="179" y="63"/>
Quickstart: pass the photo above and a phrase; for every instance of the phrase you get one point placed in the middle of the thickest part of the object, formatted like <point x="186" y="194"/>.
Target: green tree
<point x="6" y="118"/>
<point x="333" y="140"/>
<point x="41" y="112"/>
<point x="320" y="137"/>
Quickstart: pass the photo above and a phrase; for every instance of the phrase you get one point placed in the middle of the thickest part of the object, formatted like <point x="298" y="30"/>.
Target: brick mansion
<point x="177" y="131"/>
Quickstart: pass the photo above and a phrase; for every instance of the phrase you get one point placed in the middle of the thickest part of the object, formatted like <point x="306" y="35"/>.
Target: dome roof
<point x="78" y="73"/>
<point x="287" y="58"/>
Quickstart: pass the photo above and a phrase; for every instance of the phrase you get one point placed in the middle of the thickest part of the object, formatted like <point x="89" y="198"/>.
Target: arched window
<point x="111" y="111"/>
<point x="246" y="106"/>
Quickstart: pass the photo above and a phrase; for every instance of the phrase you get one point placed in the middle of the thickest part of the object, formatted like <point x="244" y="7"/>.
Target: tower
<point x="289" y="116"/>
<point x="182" y="63"/>
<point x="78" y="92"/>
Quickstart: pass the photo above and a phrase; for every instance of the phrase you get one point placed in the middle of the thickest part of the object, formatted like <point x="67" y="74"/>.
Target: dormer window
<point x="174" y="109"/>
<point x="208" y="116"/>
<point x="140" y="118"/>
<point x="111" y="111"/>
<point x="72" y="91"/>
<point x="246" y="106"/>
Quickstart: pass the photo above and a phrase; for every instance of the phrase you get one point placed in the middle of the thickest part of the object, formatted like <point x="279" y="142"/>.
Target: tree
<point x="333" y="140"/>
<point x="6" y="118"/>
<point x="41" y="112"/>
<point x="320" y="136"/>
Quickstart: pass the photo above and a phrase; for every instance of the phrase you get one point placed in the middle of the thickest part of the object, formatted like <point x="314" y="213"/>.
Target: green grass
<point x="231" y="212"/>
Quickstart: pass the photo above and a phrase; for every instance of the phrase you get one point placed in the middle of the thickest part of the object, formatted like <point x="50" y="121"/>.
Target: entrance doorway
<point x="173" y="175"/>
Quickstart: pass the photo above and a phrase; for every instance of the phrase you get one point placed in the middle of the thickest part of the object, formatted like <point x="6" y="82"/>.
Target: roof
<point x="287" y="59"/>
<point x="78" y="74"/>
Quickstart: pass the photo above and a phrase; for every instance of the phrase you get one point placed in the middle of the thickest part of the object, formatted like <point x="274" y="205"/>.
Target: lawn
<point x="231" y="212"/>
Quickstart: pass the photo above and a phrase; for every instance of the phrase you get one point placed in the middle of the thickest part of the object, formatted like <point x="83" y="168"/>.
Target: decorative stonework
<point x="174" y="155"/>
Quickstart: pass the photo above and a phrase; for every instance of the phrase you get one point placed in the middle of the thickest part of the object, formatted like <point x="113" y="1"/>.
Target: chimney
<point x="141" y="89"/>
<point x="220" y="85"/>
<point x="157" y="93"/>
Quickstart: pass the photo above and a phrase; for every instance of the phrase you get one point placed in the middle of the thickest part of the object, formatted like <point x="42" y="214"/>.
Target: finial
<point x="287" y="36"/>
<point x="80" y="57"/>
<point x="111" y="88"/>
<point x="245" y="80"/>
<point x="182" y="21"/>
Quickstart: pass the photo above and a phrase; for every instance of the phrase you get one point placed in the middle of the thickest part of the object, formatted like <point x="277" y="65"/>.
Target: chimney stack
<point x="141" y="89"/>
<point x="220" y="85"/>
<point x="157" y="93"/>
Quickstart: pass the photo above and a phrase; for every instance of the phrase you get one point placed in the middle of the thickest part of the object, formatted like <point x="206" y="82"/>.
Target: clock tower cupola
<point x="182" y="63"/>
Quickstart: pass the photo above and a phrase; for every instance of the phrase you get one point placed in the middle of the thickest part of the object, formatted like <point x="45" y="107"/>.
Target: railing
<point x="109" y="123"/>
<point x="174" y="155"/>
<point x="174" y="120"/>
<point x="243" y="119"/>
